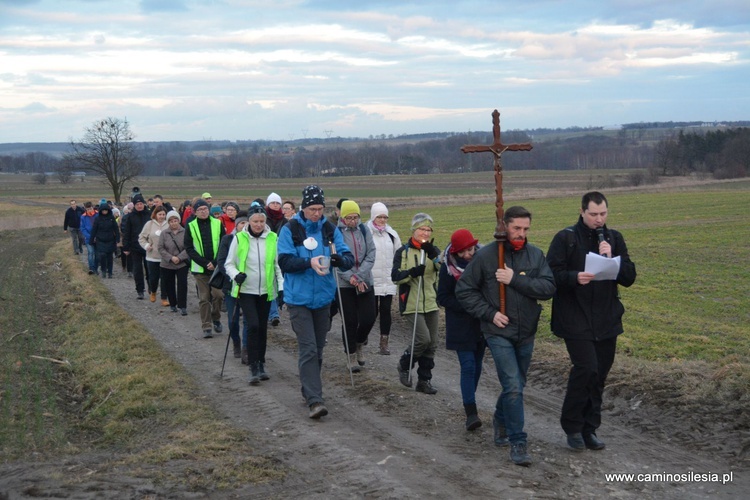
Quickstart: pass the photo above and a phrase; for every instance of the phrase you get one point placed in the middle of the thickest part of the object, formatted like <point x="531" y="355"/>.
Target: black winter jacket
<point x="462" y="331"/>
<point x="105" y="234"/>
<point x="131" y="229"/>
<point x="592" y="311"/>
<point x="478" y="290"/>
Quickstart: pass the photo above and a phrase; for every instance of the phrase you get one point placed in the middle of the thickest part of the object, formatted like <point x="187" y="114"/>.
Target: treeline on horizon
<point x="662" y="149"/>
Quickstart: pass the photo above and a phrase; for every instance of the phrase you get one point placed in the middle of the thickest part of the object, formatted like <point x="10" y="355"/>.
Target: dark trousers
<point x="105" y="261"/>
<point x="582" y="407"/>
<point x="255" y="310"/>
<point x="383" y="309"/>
<point x="154" y="275"/>
<point x="359" y="316"/>
<point x="139" y="262"/>
<point x="177" y="295"/>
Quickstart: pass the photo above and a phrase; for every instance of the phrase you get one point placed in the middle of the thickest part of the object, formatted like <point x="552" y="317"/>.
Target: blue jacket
<point x="87" y="224"/>
<point x="302" y="285"/>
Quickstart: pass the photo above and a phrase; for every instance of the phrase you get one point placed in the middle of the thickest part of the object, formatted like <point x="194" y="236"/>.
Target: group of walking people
<point x="254" y="262"/>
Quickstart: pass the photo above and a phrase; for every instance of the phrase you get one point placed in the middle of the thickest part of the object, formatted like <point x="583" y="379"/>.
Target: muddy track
<point x="382" y="440"/>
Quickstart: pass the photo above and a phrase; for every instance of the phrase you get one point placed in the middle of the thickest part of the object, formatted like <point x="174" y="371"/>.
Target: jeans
<point x="471" y="370"/>
<point x="311" y="327"/>
<point x="274" y="311"/>
<point x="77" y="237"/>
<point x="91" y="253"/>
<point x="582" y="406"/>
<point x="512" y="363"/>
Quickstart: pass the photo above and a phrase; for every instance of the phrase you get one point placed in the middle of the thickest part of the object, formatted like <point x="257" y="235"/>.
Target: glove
<point x="240" y="278"/>
<point x="416" y="272"/>
<point x="430" y="249"/>
<point x="280" y="299"/>
<point x="337" y="260"/>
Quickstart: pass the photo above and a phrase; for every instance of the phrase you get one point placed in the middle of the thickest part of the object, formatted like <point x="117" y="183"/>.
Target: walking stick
<point x="235" y="319"/>
<point x="341" y="310"/>
<point x="416" y="315"/>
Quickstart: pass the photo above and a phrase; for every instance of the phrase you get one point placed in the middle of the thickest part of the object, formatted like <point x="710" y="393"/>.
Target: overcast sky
<point x="234" y="69"/>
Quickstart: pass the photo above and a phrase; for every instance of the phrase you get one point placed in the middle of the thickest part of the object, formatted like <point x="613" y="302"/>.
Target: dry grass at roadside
<point x="121" y="393"/>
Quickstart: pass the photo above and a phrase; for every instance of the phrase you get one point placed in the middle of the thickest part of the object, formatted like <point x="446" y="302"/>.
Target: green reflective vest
<point x="243" y="248"/>
<point x="196" y="234"/>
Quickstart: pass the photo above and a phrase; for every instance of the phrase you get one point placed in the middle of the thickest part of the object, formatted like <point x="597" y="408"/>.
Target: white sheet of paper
<point x="603" y="268"/>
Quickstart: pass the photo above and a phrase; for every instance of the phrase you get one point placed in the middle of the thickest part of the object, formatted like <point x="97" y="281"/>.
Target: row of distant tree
<point x="107" y="149"/>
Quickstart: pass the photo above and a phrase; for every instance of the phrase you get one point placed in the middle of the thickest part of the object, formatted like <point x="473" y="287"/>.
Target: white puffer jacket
<point x="386" y="244"/>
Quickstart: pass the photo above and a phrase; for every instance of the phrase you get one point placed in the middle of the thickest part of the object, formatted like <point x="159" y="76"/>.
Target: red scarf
<point x="517" y="245"/>
<point x="274" y="215"/>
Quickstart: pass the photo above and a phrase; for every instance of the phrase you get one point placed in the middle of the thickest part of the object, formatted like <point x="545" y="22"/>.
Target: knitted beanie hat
<point x="312" y="195"/>
<point x="378" y="208"/>
<point x="462" y="239"/>
<point x="349" y="207"/>
<point x="421" y="220"/>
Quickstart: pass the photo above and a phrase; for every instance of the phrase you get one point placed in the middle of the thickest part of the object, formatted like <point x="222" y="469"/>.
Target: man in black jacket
<point x="131" y="247"/>
<point x="510" y="336"/>
<point x="72" y="223"/>
<point x="587" y="314"/>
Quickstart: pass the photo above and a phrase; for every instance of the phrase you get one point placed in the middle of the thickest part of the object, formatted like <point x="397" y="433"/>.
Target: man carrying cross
<point x="501" y="287"/>
<point x="509" y="335"/>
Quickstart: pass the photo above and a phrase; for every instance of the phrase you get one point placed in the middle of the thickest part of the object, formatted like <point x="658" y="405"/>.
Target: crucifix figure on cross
<point x="497" y="148"/>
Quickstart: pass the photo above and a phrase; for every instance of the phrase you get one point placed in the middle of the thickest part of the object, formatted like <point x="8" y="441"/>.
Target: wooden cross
<point x="497" y="148"/>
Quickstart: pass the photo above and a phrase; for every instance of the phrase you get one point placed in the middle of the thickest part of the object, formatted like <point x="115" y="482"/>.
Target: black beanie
<point x="312" y="195"/>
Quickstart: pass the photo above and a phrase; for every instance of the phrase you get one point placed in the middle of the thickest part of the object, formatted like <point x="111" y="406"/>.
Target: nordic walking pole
<point x="416" y="315"/>
<point x="235" y="319"/>
<point x="341" y="310"/>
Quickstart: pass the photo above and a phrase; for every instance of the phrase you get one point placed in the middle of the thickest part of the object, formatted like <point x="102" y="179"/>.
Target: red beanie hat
<point x="461" y="240"/>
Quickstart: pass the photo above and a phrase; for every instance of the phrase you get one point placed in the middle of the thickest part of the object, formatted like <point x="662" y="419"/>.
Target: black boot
<point x="472" y="419"/>
<point x="254" y="378"/>
<point x="262" y="372"/>
<point x="404" y="375"/>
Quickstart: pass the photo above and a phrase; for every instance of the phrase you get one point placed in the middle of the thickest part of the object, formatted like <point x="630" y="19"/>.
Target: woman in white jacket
<point x="149" y="240"/>
<point x="253" y="265"/>
<point x="386" y="241"/>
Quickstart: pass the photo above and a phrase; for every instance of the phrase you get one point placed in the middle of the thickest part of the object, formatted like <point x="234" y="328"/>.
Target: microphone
<point x="600" y="235"/>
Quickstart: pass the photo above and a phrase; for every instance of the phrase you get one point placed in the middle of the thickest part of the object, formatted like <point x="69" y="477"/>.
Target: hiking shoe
<point x="384" y="346"/>
<point x="237" y="350"/>
<point x="173" y="309"/>
<point x="254" y="378"/>
<point x="262" y="372"/>
<point x="473" y="422"/>
<point x="217" y="326"/>
<point x="91" y="272"/>
<point x="152" y="296"/>
<point x="499" y="435"/>
<point x="518" y="454"/>
<point x="183" y="312"/>
<point x="575" y="441"/>
<point x="425" y="387"/>
<point x="275" y="322"/>
<point x="318" y="410"/>
<point x="361" y="354"/>
<point x="140" y="295"/>
<point x="207" y="334"/>
<point x="352" y="364"/>
<point x="592" y="442"/>
<point x="403" y="376"/>
<point x="164" y="302"/>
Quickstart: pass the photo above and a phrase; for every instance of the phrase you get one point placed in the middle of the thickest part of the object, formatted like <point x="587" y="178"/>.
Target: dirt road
<point x="382" y="440"/>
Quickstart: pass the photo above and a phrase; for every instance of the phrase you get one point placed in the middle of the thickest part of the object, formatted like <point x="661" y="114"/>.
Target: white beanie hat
<point x="273" y="197"/>
<point x="378" y="208"/>
<point x="173" y="213"/>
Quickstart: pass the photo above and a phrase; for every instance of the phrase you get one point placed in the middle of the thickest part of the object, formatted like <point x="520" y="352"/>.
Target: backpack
<point x="299" y="234"/>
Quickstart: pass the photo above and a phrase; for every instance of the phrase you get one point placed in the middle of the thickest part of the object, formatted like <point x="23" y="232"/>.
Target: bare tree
<point x="107" y="149"/>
